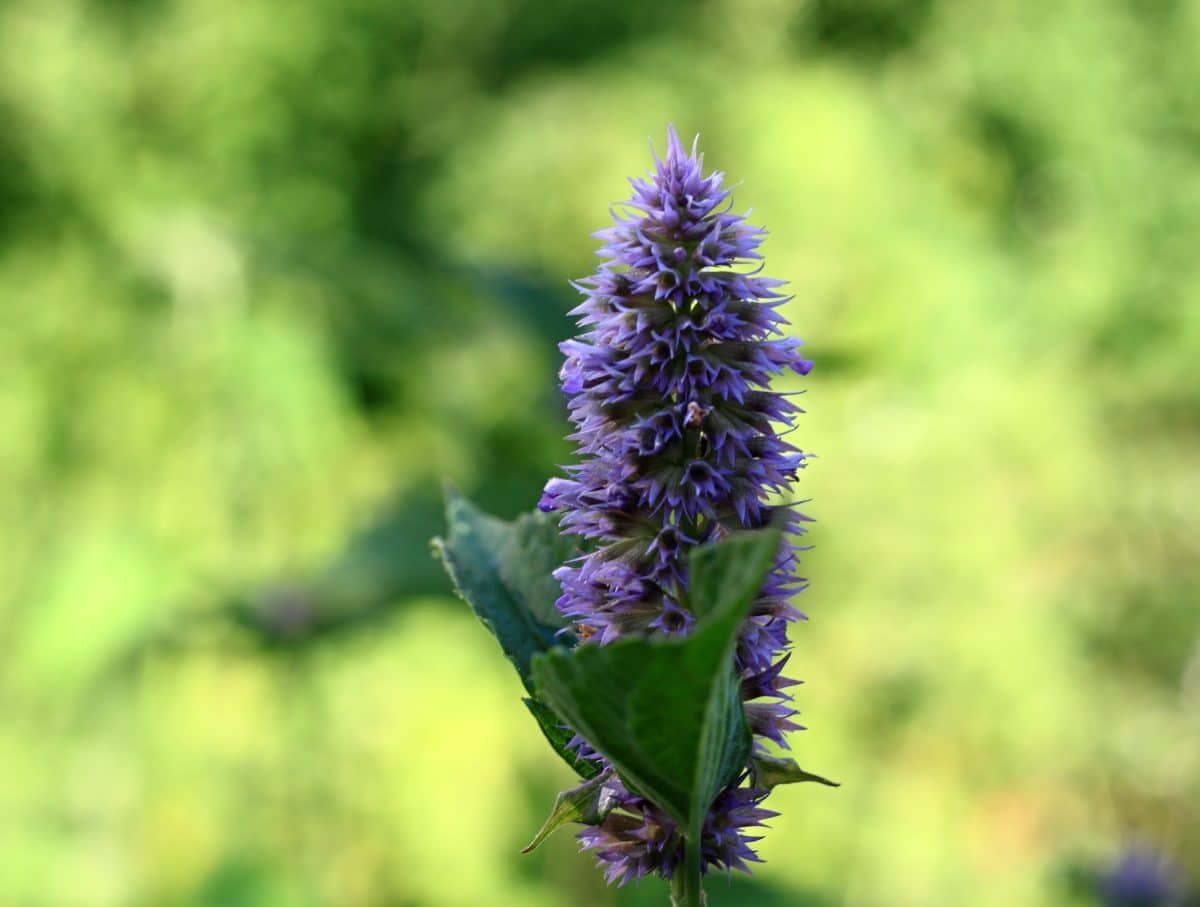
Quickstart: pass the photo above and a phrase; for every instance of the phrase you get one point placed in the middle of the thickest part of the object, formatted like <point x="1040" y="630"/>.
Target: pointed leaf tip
<point x="771" y="771"/>
<point x="588" y="804"/>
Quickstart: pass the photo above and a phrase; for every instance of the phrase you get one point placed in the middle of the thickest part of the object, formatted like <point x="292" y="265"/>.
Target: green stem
<point x="687" y="889"/>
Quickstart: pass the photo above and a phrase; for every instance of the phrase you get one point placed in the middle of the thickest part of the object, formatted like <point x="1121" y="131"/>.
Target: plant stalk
<point x="687" y="888"/>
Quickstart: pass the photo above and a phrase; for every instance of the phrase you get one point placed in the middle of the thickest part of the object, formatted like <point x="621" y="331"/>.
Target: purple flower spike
<point x="680" y="444"/>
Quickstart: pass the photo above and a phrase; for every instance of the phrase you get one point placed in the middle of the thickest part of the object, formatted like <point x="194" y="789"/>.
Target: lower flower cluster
<point x="636" y="840"/>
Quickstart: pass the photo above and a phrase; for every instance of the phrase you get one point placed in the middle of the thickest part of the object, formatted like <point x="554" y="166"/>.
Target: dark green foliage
<point x="502" y="570"/>
<point x="666" y="712"/>
<point x="868" y="28"/>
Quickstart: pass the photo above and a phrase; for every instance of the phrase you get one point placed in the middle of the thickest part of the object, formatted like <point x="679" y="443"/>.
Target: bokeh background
<point x="271" y="270"/>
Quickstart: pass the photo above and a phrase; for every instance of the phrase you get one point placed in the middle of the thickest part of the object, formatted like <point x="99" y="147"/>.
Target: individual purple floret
<point x="681" y="442"/>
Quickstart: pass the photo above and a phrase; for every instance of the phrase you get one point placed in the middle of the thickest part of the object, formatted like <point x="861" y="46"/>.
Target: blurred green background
<point x="270" y="270"/>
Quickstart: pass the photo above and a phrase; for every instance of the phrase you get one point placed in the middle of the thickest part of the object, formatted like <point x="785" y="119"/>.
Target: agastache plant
<point x="667" y="686"/>
<point x="679" y="443"/>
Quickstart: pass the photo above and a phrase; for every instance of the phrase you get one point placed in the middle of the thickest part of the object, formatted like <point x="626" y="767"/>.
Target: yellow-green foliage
<point x="270" y="269"/>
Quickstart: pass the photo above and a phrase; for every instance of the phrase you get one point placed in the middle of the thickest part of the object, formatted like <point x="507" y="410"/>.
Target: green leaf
<point x="770" y="771"/>
<point x="667" y="712"/>
<point x="588" y="804"/>
<point x="558" y="736"/>
<point x="533" y="548"/>
<point x="503" y="570"/>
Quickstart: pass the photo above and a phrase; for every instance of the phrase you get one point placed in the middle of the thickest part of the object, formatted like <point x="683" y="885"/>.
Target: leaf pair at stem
<point x="665" y="712"/>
